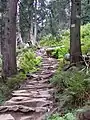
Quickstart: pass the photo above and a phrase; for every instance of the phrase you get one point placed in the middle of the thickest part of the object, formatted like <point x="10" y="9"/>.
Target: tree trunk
<point x="31" y="32"/>
<point x="75" y="44"/>
<point x="31" y="25"/>
<point x="1" y="17"/>
<point x="35" y="24"/>
<point x="18" y="33"/>
<point x="9" y="66"/>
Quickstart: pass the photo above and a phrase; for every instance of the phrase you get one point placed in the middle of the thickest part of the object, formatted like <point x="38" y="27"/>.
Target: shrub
<point x="72" y="88"/>
<point x="59" y="52"/>
<point x="29" y="62"/>
<point x="68" y="116"/>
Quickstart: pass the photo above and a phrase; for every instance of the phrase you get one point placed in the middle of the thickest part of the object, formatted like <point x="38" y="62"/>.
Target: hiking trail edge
<point x="34" y="100"/>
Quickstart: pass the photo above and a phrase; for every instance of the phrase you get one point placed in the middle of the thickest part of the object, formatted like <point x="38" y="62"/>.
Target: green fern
<point x="29" y="62"/>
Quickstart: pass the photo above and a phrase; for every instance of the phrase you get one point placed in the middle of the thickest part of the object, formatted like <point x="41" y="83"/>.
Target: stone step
<point x="39" y="102"/>
<point x="46" y="76"/>
<point x="38" y="95"/>
<point x="29" y="93"/>
<point x="23" y="109"/>
<point x="37" y="87"/>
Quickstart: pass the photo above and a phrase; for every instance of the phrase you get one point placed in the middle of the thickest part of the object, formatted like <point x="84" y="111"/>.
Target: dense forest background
<point x="61" y="28"/>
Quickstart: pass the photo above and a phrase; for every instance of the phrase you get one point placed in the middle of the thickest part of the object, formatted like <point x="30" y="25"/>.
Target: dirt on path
<point x="34" y="100"/>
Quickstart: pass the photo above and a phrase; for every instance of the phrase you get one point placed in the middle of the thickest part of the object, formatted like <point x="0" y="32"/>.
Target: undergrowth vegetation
<point x="63" y="40"/>
<point x="72" y="93"/>
<point x="68" y="116"/>
<point x="10" y="84"/>
<point x="28" y="61"/>
<point x="73" y="88"/>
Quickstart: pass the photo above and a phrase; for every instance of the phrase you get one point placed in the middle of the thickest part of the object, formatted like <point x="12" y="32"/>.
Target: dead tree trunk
<point x="75" y="44"/>
<point x="9" y="66"/>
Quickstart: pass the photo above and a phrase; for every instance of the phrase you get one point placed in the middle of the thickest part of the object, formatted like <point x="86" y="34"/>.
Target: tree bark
<point x="18" y="32"/>
<point x="31" y="31"/>
<point x="75" y="44"/>
<point x="35" y="24"/>
<point x="9" y="66"/>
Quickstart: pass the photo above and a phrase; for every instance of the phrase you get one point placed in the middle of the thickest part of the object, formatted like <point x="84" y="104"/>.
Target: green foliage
<point x="68" y="116"/>
<point x="85" y="10"/>
<point x="85" y="37"/>
<point x="59" y="52"/>
<point x="72" y="88"/>
<point x="61" y="41"/>
<point x="29" y="62"/>
<point x="50" y="41"/>
<point x="64" y="38"/>
<point x="4" y="92"/>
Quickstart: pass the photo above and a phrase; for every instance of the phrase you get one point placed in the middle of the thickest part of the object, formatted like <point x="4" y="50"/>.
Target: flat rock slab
<point x="37" y="86"/>
<point x="15" y="108"/>
<point x="6" y="117"/>
<point x="21" y="108"/>
<point x="38" y="102"/>
<point x="20" y="91"/>
<point x="21" y="94"/>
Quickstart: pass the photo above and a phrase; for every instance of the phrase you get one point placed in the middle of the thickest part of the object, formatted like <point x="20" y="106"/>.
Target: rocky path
<point x="34" y="100"/>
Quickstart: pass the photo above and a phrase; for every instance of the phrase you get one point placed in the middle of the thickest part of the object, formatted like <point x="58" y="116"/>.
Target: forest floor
<point x="34" y="100"/>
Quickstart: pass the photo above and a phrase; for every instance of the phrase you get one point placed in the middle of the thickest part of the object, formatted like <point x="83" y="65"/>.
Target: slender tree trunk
<point x="18" y="35"/>
<point x="75" y="44"/>
<point x="1" y="17"/>
<point x="35" y="24"/>
<point x="31" y="32"/>
<point x="31" y="26"/>
<point x="9" y="66"/>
